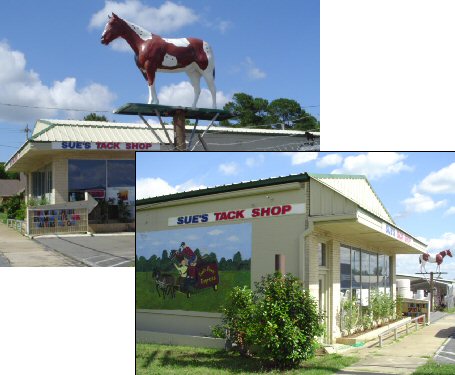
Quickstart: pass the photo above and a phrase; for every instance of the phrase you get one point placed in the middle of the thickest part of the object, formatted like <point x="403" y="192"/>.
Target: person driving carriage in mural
<point x="187" y="268"/>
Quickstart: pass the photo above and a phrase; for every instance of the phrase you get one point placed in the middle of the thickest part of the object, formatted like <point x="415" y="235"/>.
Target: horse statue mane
<point x="429" y="258"/>
<point x="152" y="54"/>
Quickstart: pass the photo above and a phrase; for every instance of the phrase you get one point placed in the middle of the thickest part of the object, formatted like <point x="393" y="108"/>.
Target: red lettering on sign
<point x="239" y="214"/>
<point x="231" y="215"/>
<point x="255" y="212"/>
<point x="217" y="216"/>
<point x="286" y="209"/>
<point x="276" y="210"/>
<point x="265" y="211"/>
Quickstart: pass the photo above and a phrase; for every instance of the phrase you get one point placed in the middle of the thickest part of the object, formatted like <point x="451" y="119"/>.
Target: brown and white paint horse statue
<point x="156" y="54"/>
<point x="429" y="258"/>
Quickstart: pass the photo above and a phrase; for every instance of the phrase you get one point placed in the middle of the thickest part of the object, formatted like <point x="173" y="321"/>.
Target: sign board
<point x="106" y="146"/>
<point x="396" y="233"/>
<point x="237" y="214"/>
<point x="116" y="194"/>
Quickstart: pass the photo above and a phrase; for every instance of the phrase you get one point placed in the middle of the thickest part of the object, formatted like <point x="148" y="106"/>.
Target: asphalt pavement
<point x="446" y="353"/>
<point x="99" y="250"/>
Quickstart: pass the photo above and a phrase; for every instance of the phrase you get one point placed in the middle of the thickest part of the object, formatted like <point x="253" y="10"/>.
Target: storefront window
<point x="362" y="273"/>
<point x="111" y="182"/>
<point x="86" y="175"/>
<point x="121" y="173"/>
<point x="345" y="271"/>
<point x="42" y="183"/>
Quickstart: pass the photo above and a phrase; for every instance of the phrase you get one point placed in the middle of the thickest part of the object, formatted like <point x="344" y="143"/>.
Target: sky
<point x="223" y="240"/>
<point x="417" y="189"/>
<point x="51" y="56"/>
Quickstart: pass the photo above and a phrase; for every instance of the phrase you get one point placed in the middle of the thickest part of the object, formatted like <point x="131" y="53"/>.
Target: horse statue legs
<point x="195" y="79"/>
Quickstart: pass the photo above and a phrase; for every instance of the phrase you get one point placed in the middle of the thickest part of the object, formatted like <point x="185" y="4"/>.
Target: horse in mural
<point x="153" y="53"/>
<point x="164" y="283"/>
<point x="429" y="258"/>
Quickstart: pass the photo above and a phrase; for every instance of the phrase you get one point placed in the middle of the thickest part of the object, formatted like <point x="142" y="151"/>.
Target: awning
<point x="364" y="226"/>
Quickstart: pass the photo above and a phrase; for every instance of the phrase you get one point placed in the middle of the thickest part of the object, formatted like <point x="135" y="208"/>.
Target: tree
<point x="251" y="111"/>
<point x="307" y="122"/>
<point x="7" y="175"/>
<point x="284" y="111"/>
<point x="94" y="117"/>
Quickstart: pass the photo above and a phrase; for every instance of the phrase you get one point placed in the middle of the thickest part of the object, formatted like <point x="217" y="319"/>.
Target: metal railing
<point x="417" y="320"/>
<point x="18" y="225"/>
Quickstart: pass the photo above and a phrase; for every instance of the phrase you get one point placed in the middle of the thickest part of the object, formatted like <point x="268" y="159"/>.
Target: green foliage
<point x="382" y="308"/>
<point x="278" y="322"/>
<point x="284" y="111"/>
<point x="434" y="368"/>
<point x="350" y="314"/>
<point x="7" y="175"/>
<point x="15" y="207"/>
<point x="253" y="112"/>
<point x="95" y="117"/>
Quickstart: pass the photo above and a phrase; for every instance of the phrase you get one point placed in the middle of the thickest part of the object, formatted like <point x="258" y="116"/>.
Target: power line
<point x="54" y="108"/>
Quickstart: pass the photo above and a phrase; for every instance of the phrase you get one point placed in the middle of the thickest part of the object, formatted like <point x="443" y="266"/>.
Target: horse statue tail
<point x="420" y="259"/>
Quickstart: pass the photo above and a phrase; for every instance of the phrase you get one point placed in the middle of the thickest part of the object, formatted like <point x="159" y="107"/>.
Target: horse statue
<point x="438" y="259"/>
<point x="153" y="53"/>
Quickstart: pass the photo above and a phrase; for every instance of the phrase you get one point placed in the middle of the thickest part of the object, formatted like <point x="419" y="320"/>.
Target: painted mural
<point x="192" y="268"/>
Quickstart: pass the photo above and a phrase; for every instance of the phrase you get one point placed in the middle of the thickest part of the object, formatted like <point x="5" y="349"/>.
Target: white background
<point x="387" y="75"/>
<point x="67" y="321"/>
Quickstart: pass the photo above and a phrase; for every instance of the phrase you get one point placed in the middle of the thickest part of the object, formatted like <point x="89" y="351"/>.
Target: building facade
<point x="64" y="159"/>
<point x="333" y="231"/>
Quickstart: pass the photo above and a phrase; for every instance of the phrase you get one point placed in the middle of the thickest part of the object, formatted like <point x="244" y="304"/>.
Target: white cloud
<point x="421" y="203"/>
<point x="229" y="168"/>
<point x="298" y="158"/>
<point x="153" y="187"/>
<point x="182" y="94"/>
<point x="24" y="87"/>
<point x="252" y="71"/>
<point x="255" y="161"/>
<point x="450" y="211"/>
<point x="233" y="238"/>
<point x="374" y="164"/>
<point x="439" y="182"/>
<point x="169" y="17"/>
<point x="329" y="160"/>
<point x="215" y="232"/>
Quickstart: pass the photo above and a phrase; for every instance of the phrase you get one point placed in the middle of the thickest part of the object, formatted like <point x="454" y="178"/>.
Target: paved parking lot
<point x="102" y="250"/>
<point x="446" y="353"/>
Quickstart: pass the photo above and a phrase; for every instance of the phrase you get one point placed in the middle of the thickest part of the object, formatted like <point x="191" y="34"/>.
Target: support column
<point x="179" y="131"/>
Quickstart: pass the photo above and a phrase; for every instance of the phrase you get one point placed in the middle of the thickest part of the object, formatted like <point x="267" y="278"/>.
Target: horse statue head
<point x="153" y="53"/>
<point x="112" y="30"/>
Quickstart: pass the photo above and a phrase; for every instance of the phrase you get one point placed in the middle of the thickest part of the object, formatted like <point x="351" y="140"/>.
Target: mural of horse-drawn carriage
<point x="194" y="274"/>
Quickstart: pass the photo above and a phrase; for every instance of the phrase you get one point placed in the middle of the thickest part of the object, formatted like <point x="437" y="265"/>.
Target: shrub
<point x="350" y="314"/>
<point x="279" y="322"/>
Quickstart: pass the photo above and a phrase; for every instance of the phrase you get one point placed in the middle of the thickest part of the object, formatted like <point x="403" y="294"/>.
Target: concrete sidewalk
<point x="20" y="251"/>
<point x="406" y="354"/>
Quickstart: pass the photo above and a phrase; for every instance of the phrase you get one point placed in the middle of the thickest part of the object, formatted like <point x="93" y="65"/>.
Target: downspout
<point x="307" y="232"/>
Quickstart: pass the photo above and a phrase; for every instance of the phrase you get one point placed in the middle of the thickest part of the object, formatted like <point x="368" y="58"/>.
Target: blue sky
<point x="51" y="56"/>
<point x="418" y="189"/>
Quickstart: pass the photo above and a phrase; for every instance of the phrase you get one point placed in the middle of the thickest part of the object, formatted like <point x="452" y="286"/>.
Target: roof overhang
<point x="366" y="227"/>
<point x="33" y="155"/>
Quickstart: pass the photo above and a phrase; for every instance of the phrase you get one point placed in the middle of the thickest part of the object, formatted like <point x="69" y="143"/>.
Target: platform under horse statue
<point x="153" y="53"/>
<point x="429" y="258"/>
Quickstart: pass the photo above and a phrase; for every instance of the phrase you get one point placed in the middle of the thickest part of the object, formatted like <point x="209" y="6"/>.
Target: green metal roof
<point x="302" y="177"/>
<point x="170" y="111"/>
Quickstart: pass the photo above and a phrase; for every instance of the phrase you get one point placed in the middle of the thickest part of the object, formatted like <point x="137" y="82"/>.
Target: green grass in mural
<point x="167" y="360"/>
<point x="201" y="300"/>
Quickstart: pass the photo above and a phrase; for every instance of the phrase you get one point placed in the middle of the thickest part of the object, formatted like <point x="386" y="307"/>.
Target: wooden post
<point x="431" y="291"/>
<point x="179" y="131"/>
<point x="280" y="264"/>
